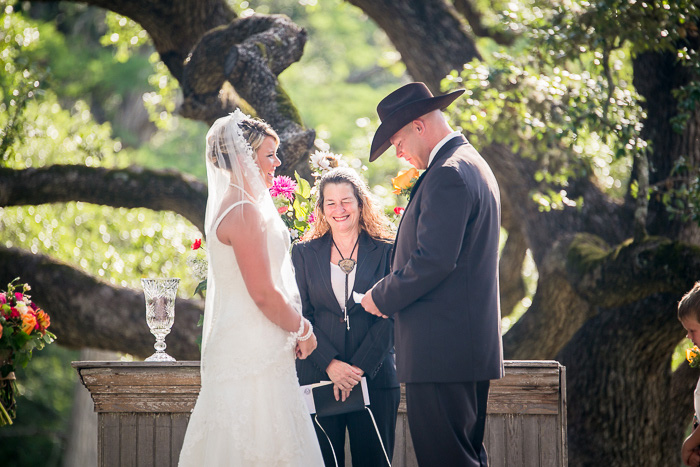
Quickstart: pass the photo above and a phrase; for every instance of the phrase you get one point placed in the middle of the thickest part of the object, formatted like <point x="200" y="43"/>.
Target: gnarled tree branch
<point x="159" y="190"/>
<point x="224" y="62"/>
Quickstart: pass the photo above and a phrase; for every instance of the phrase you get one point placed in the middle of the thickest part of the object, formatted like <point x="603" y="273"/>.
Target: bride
<point x="250" y="410"/>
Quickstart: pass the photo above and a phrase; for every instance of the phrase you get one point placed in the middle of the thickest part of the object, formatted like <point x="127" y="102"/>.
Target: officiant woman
<point x="348" y="249"/>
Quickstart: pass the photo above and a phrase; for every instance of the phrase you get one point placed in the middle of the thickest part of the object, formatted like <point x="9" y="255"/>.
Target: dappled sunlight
<point x="118" y="245"/>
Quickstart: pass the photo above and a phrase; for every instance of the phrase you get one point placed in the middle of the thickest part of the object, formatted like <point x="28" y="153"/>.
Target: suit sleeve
<point x="379" y="339"/>
<point x="324" y="352"/>
<point x="441" y="224"/>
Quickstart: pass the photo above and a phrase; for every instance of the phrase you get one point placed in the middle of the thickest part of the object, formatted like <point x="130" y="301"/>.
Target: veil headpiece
<point x="232" y="173"/>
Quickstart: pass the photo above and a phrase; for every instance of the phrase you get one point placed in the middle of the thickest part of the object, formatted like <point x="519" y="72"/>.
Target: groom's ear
<point x="419" y="126"/>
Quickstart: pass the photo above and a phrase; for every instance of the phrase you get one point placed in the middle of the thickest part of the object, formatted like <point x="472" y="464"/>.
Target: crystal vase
<point x="160" y="313"/>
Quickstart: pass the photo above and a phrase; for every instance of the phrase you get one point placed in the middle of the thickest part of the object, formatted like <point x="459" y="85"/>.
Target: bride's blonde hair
<point x="254" y="132"/>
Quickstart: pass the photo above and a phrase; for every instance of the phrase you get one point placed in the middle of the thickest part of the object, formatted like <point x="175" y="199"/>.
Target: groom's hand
<point x="369" y="306"/>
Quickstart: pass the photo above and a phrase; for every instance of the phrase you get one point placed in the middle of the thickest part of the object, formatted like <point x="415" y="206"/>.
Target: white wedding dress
<point x="250" y="411"/>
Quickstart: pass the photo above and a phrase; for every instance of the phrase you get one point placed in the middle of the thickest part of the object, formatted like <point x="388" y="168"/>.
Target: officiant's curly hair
<point x="254" y="131"/>
<point x="372" y="219"/>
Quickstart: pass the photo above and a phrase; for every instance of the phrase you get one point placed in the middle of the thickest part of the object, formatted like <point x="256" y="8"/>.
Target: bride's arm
<point x="241" y="229"/>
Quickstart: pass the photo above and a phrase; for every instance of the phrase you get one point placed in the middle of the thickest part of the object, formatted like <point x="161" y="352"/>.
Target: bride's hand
<point x="305" y="348"/>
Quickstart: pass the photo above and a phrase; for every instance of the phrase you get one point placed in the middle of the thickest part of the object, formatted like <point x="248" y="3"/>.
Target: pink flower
<point x="312" y="218"/>
<point x="282" y="209"/>
<point x="18" y="296"/>
<point x="3" y="298"/>
<point x="283" y="186"/>
<point x="399" y="211"/>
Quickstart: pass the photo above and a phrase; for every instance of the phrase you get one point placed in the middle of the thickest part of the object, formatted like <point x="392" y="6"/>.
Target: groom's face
<point x="410" y="145"/>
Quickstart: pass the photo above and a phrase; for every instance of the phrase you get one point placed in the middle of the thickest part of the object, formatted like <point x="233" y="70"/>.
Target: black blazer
<point x="443" y="291"/>
<point x="369" y="344"/>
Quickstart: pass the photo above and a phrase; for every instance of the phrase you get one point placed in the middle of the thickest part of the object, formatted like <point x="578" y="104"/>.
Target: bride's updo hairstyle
<point x="254" y="131"/>
<point x="372" y="219"/>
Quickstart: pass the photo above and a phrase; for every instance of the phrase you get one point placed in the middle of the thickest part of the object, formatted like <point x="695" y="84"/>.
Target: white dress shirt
<point x="440" y="145"/>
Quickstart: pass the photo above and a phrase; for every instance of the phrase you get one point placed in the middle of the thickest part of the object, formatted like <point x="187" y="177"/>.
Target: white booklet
<point x="309" y="398"/>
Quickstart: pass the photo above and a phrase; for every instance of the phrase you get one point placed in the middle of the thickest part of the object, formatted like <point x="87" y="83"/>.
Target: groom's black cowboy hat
<point x="402" y="107"/>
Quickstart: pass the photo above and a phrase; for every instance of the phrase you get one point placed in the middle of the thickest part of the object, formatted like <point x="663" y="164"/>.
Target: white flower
<point x="22" y="308"/>
<point x="324" y="161"/>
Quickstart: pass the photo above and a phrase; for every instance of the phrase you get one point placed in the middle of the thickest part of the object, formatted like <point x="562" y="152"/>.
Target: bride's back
<point x="238" y="339"/>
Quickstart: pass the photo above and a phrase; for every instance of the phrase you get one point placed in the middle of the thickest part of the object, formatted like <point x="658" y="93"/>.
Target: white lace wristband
<point x="308" y="334"/>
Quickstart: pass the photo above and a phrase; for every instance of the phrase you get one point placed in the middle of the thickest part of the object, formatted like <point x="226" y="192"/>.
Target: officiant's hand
<point x="344" y="376"/>
<point x="369" y="306"/>
<point x="340" y="393"/>
<point x="305" y="348"/>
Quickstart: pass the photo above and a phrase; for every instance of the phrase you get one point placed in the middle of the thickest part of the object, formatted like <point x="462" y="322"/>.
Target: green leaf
<point x="201" y="288"/>
<point x="300" y="211"/>
<point x="303" y="187"/>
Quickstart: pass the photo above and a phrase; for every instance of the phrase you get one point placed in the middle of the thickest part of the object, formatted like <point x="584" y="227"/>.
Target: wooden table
<point x="143" y="409"/>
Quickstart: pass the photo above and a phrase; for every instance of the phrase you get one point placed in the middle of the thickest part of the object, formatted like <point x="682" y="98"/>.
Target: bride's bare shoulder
<point x="241" y="220"/>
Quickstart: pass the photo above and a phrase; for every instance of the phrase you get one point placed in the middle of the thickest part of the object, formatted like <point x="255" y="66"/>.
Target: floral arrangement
<point x="293" y="203"/>
<point x="23" y="328"/>
<point x="693" y="356"/>
<point x="295" y="200"/>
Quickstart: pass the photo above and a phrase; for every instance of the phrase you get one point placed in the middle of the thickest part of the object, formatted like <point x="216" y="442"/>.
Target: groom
<point x="443" y="289"/>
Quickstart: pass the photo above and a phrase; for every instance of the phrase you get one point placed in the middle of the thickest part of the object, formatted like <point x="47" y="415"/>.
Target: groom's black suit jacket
<point x="443" y="291"/>
<point x="369" y="344"/>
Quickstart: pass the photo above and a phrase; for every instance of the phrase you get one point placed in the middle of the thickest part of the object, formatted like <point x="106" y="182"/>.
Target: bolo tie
<point x="346" y="265"/>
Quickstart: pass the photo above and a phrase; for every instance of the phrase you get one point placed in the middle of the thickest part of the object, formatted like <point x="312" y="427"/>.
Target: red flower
<point x="399" y="210"/>
<point x="197" y="244"/>
<point x="282" y="209"/>
<point x="14" y="313"/>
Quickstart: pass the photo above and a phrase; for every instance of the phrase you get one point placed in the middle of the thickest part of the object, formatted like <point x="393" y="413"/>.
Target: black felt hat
<point x="402" y="107"/>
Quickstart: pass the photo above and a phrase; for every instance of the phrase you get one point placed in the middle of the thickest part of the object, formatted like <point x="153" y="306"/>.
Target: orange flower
<point x="0" y="330"/>
<point x="404" y="179"/>
<point x="692" y="355"/>
<point x="43" y="318"/>
<point x="28" y="322"/>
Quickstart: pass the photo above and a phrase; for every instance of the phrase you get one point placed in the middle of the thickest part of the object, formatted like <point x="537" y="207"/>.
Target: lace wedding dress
<point x="250" y="411"/>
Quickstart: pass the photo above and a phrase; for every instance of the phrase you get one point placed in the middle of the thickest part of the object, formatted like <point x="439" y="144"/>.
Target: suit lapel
<point x="367" y="256"/>
<point x="322" y="250"/>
